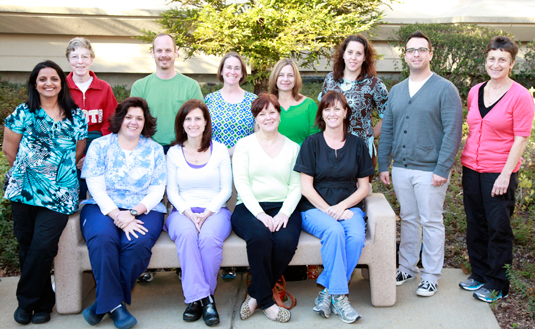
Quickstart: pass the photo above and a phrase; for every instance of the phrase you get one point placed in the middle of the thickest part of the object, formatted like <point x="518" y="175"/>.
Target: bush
<point x="458" y="51"/>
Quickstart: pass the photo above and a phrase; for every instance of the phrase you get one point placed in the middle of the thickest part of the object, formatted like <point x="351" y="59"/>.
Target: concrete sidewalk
<point x="159" y="304"/>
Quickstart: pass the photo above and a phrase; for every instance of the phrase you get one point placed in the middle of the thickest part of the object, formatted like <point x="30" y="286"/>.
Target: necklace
<point x="497" y="94"/>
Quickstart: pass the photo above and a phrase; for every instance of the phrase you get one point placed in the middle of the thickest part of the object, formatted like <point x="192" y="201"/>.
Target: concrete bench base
<point x="379" y="255"/>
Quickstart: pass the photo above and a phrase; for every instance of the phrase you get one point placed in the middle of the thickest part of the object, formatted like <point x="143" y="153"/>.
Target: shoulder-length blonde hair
<point x="275" y="74"/>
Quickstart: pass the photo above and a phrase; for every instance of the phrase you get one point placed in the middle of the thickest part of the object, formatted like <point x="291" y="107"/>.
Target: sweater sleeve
<point x="384" y="155"/>
<point x="109" y="109"/>
<point x="451" y="114"/>
<point x="97" y="187"/>
<point x="240" y="168"/>
<point x="294" y="188"/>
<point x="172" y="186"/>
<point x="225" y="179"/>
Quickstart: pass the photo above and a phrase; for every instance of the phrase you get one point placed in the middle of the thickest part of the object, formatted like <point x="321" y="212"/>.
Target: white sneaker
<point x="426" y="288"/>
<point x="341" y="307"/>
<point x="323" y="304"/>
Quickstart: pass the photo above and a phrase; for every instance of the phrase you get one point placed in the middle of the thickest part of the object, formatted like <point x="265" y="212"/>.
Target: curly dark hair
<point x="181" y="135"/>
<point x="370" y="56"/>
<point x="262" y="101"/>
<point x="327" y="100"/>
<point x="116" y="120"/>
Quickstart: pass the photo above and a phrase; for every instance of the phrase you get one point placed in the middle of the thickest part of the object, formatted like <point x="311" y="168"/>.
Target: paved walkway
<point x="159" y="304"/>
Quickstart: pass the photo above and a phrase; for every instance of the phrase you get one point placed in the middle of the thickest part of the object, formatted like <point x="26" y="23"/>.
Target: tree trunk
<point x="260" y="82"/>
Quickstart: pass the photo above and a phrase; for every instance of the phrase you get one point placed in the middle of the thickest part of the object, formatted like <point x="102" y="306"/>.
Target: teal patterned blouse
<point x="44" y="172"/>
<point x="230" y="122"/>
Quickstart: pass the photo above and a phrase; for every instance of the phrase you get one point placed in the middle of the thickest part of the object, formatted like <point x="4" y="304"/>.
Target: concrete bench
<point x="72" y="260"/>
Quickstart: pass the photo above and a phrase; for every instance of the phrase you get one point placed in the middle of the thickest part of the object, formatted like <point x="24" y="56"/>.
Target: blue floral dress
<point x="230" y="122"/>
<point x="44" y="172"/>
<point x="362" y="97"/>
<point x="128" y="175"/>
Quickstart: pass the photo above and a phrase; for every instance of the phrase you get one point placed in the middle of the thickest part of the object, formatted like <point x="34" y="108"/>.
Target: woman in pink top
<point x="500" y="117"/>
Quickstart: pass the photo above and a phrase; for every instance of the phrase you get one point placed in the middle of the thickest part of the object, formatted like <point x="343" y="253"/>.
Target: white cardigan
<point x="207" y="187"/>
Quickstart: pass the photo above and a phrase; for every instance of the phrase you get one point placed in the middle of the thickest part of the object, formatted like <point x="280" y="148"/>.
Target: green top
<point x="297" y="123"/>
<point x="165" y="97"/>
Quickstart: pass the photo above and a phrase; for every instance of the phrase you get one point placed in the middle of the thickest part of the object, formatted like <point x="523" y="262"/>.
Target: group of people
<point x="295" y="166"/>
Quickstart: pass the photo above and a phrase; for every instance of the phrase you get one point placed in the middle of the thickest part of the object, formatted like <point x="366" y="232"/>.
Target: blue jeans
<point x="341" y="246"/>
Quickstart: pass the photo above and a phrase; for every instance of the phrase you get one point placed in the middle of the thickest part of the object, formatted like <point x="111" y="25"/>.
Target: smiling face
<point x="268" y="119"/>
<point x="354" y="56"/>
<point x="232" y="71"/>
<point x="286" y="79"/>
<point x="194" y="123"/>
<point x="133" y="123"/>
<point x="164" y="53"/>
<point x="333" y="116"/>
<point x="81" y="61"/>
<point x="48" y="83"/>
<point x="418" y="61"/>
<point x="498" y="64"/>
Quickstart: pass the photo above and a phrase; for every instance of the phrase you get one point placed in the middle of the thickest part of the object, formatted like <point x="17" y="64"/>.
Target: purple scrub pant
<point x="200" y="254"/>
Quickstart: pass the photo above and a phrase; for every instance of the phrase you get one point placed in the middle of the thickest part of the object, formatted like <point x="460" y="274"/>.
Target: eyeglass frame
<point x="421" y="50"/>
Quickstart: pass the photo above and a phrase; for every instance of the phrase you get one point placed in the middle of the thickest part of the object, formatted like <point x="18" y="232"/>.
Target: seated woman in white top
<point x="199" y="184"/>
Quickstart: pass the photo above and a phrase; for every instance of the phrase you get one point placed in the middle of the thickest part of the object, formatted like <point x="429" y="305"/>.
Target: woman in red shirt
<point x="500" y="118"/>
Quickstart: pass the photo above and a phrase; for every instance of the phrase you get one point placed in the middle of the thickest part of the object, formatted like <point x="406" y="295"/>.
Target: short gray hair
<point x="79" y="42"/>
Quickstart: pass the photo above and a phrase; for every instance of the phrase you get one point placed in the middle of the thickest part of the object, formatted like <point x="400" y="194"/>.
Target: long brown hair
<point x="181" y="135"/>
<point x="370" y="56"/>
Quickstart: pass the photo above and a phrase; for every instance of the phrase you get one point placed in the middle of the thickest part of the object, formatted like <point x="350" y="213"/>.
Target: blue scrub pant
<point x="341" y="246"/>
<point x="117" y="262"/>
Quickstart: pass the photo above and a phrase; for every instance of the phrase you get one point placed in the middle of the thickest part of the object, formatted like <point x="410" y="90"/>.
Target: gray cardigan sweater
<point x="422" y="132"/>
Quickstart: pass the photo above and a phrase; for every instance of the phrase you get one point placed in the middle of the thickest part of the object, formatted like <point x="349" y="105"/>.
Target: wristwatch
<point x="133" y="212"/>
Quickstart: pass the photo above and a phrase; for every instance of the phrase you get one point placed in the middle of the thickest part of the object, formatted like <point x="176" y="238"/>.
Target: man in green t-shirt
<point x="165" y="90"/>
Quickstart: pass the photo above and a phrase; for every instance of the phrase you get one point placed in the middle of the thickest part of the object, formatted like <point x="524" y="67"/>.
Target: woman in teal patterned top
<point x="298" y="112"/>
<point x="43" y="140"/>
<point x="230" y="107"/>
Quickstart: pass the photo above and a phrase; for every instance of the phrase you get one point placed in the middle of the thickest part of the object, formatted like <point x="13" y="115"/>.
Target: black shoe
<point x="41" y="317"/>
<point x="122" y="319"/>
<point x="193" y="312"/>
<point x="209" y="311"/>
<point x="22" y="316"/>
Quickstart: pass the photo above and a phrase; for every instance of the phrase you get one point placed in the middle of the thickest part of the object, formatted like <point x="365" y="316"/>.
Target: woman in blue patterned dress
<point x="43" y="140"/>
<point x="355" y="77"/>
<point x="230" y="107"/>
<point x="126" y="175"/>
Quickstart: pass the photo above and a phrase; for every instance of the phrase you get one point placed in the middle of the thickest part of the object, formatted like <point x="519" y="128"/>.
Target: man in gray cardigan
<point x="421" y="132"/>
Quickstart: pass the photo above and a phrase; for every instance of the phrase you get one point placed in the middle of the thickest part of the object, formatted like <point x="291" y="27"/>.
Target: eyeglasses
<point x="421" y="50"/>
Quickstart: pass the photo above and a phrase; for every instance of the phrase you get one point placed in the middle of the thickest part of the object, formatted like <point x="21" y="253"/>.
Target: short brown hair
<point x="161" y="35"/>
<point x="116" y="120"/>
<point x="273" y="76"/>
<point x="419" y="34"/>
<point x="263" y="101"/>
<point x="502" y="43"/>
<point x="181" y="135"/>
<point x="242" y="62"/>
<point x="328" y="100"/>
<point x="370" y="56"/>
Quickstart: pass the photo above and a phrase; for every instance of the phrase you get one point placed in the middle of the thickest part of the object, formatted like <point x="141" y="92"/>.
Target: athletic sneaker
<point x="341" y="307"/>
<point x="228" y="273"/>
<point x="401" y="277"/>
<point x="146" y="276"/>
<point x="426" y="288"/>
<point x="470" y="284"/>
<point x="323" y="304"/>
<point x="488" y="296"/>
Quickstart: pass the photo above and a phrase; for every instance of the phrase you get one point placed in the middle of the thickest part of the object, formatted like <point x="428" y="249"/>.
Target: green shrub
<point x="458" y="51"/>
<point x="9" y="257"/>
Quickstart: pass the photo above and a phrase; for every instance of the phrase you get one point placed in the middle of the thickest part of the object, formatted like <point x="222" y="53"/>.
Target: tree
<point x="264" y="31"/>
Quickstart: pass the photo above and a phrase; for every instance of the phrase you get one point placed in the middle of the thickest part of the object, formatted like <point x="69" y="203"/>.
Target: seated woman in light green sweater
<point x="265" y="216"/>
<point x="298" y="112"/>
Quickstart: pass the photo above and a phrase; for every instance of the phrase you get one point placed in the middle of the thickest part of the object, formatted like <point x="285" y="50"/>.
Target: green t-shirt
<point x="165" y="97"/>
<point x="297" y="123"/>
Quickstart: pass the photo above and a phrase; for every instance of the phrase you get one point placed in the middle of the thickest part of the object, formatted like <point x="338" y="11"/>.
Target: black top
<point x="335" y="177"/>
<point x="483" y="110"/>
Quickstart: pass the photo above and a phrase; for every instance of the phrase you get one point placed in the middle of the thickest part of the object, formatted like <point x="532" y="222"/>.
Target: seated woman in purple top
<point x="199" y="183"/>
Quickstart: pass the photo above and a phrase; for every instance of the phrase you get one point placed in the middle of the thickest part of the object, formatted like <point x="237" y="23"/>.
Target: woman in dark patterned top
<point x="355" y="77"/>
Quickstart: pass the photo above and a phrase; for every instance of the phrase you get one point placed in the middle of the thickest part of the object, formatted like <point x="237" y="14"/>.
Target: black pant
<point x="37" y="230"/>
<point x="268" y="253"/>
<point x="489" y="236"/>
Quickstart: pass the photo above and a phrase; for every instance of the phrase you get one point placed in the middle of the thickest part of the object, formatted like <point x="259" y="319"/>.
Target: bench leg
<point x="382" y="286"/>
<point x="69" y="290"/>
